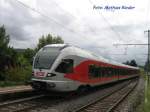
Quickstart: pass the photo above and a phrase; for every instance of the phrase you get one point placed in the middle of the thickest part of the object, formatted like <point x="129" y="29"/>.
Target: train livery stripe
<point x="81" y="72"/>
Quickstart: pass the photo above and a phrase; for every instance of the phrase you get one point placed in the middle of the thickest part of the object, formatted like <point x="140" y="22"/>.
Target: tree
<point x="127" y="63"/>
<point x="28" y="54"/>
<point x="8" y="56"/>
<point x="147" y="66"/>
<point x="48" y="39"/>
<point x="133" y="63"/>
<point x="4" y="49"/>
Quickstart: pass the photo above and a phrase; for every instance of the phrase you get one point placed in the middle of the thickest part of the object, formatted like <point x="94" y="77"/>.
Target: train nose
<point x="51" y="85"/>
<point x="37" y="85"/>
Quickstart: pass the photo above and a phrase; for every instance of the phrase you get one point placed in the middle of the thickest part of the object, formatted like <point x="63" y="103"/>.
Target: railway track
<point x="71" y="104"/>
<point x="20" y="104"/>
<point x="30" y="103"/>
<point x="109" y="102"/>
<point x="42" y="102"/>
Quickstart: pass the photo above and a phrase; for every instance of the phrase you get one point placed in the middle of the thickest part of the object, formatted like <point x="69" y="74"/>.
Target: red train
<point x="63" y="67"/>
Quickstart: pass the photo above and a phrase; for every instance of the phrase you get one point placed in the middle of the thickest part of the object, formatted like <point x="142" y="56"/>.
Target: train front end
<point x="45" y="65"/>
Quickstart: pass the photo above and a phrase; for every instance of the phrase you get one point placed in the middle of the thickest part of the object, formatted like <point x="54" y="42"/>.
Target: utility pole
<point x="148" y="57"/>
<point x="148" y="54"/>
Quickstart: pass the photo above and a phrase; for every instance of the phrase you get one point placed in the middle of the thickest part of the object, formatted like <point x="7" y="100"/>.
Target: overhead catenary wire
<point x="45" y="16"/>
<point x="76" y="18"/>
<point x="71" y="14"/>
<point x="147" y="14"/>
<point x="113" y="29"/>
<point x="110" y="26"/>
<point x="49" y="18"/>
<point x="118" y="35"/>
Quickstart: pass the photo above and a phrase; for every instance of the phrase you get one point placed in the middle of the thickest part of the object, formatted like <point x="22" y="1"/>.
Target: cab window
<point x="66" y="66"/>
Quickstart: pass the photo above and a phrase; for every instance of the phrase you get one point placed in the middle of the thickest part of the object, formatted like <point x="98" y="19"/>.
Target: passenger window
<point x="66" y="66"/>
<point x="110" y="72"/>
<point x="94" y="71"/>
<point x="91" y="71"/>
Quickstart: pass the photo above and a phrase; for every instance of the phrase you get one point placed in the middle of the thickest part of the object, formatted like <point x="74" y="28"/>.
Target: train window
<point x="117" y="71"/>
<point x="91" y="71"/>
<point x="107" y="72"/>
<point x="110" y="72"/>
<point x="114" y="72"/>
<point x="94" y="71"/>
<point x="102" y="71"/>
<point x="121" y="71"/>
<point x="66" y="66"/>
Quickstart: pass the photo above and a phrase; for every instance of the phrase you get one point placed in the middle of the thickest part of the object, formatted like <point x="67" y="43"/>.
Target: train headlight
<point x="51" y="75"/>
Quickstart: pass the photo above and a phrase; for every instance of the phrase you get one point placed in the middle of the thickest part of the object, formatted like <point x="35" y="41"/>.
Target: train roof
<point x="56" y="45"/>
<point x="87" y="54"/>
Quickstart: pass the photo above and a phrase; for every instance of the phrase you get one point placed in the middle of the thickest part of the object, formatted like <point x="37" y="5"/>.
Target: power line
<point x="45" y="16"/>
<point x="110" y="26"/>
<point x="148" y="44"/>
<point x="51" y="19"/>
<point x="63" y="9"/>
<point x="147" y="13"/>
<point x="128" y="44"/>
<point x="70" y="14"/>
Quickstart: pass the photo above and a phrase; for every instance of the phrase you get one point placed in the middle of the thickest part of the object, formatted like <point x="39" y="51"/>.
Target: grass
<point x="10" y="83"/>
<point x="145" y="106"/>
<point x="17" y="76"/>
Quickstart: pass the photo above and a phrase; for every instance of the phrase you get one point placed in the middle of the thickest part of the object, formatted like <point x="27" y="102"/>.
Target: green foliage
<point x="4" y="40"/>
<point x="49" y="39"/>
<point x="145" y="107"/>
<point x="8" y="56"/>
<point x="19" y="74"/>
<point x="23" y="62"/>
<point x="16" y="67"/>
<point x="147" y="66"/>
<point x="10" y="83"/>
<point x="28" y="55"/>
<point x="131" y="63"/>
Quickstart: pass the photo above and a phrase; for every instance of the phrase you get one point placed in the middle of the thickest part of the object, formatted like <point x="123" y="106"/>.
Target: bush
<point x="10" y="83"/>
<point x="19" y="74"/>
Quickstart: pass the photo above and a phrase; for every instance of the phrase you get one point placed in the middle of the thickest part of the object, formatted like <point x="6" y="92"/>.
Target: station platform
<point x="14" y="89"/>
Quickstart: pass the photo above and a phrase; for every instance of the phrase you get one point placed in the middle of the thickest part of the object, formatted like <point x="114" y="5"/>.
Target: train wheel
<point x="83" y="89"/>
<point x="38" y="86"/>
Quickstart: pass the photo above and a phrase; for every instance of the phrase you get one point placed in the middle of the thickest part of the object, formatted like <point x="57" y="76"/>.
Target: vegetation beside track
<point x="17" y="76"/>
<point x="16" y="64"/>
<point x="145" y="104"/>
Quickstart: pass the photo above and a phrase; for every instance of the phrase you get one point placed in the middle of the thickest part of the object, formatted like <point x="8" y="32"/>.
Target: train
<point x="64" y="67"/>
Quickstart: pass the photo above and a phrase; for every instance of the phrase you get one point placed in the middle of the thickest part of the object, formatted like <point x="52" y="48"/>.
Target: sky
<point x="95" y="25"/>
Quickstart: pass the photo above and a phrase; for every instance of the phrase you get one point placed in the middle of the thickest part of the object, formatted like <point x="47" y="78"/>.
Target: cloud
<point x="77" y="23"/>
<point x="15" y="20"/>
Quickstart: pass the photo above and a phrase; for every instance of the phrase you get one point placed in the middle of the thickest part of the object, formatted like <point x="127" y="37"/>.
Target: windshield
<point x="45" y="58"/>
